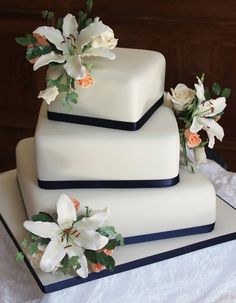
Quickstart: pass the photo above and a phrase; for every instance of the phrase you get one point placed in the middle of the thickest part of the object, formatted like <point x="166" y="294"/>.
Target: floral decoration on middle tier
<point x="197" y="111"/>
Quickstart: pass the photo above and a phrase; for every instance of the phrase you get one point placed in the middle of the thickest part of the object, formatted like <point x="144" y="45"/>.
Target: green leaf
<point x="82" y="17"/>
<point x="25" y="41"/>
<point x="110" y="263"/>
<point x="226" y="92"/>
<point x="44" y="217"/>
<point x="19" y="256"/>
<point x="106" y="260"/>
<point x="22" y="41"/>
<point x="44" y="13"/>
<point x="73" y="83"/>
<point x="70" y="264"/>
<point x="207" y="93"/>
<point x="80" y="217"/>
<point x="111" y="244"/>
<point x="120" y="239"/>
<point x="62" y="87"/>
<point x="66" y="105"/>
<point x="108" y="231"/>
<point x="34" y="237"/>
<point x="37" y="51"/>
<point x="31" y="39"/>
<point x="88" y="21"/>
<point x="59" y="23"/>
<point x="216" y="89"/>
<point x="72" y="97"/>
<point x="33" y="248"/>
<point x="50" y="15"/>
<point x="102" y="258"/>
<point x="44" y="241"/>
<point x="51" y="82"/>
<point x="89" y="5"/>
<point x="47" y="14"/>
<point x="24" y="243"/>
<point x="91" y="255"/>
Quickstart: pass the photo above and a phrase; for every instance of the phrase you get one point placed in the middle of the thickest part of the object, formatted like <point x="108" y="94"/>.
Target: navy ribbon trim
<point x="108" y="183"/>
<point x="170" y="234"/>
<point x="129" y="265"/>
<point x="131" y="126"/>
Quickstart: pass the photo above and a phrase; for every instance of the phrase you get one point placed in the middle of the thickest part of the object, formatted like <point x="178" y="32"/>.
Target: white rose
<point x="49" y="94"/>
<point x="104" y="39"/>
<point x="181" y="97"/>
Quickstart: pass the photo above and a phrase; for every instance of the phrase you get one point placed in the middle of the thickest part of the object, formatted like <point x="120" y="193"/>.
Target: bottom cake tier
<point x="139" y="214"/>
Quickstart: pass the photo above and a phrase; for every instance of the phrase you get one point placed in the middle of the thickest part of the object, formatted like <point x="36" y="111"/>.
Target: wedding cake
<point x="104" y="138"/>
<point x="134" y="173"/>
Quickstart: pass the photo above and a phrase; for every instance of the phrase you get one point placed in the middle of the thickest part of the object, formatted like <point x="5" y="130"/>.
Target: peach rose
<point x="97" y="267"/>
<point x="87" y="81"/>
<point x="108" y="252"/>
<point x="41" y="40"/>
<point x="193" y="139"/>
<point x="75" y="202"/>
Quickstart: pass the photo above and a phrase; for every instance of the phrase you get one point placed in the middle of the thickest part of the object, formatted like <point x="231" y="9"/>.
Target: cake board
<point x="129" y="257"/>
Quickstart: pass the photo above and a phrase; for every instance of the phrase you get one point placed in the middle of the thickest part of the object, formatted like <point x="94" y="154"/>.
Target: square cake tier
<point x="124" y="90"/>
<point x="139" y="214"/>
<point x="72" y="155"/>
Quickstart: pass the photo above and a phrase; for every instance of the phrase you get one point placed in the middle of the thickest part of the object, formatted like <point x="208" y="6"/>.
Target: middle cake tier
<point x="80" y="156"/>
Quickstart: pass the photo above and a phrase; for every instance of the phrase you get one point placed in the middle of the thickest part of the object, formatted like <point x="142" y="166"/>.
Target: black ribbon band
<point x="108" y="183"/>
<point x="132" y="126"/>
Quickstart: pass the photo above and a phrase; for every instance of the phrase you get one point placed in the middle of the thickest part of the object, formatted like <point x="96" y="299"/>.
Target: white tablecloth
<point x="207" y="275"/>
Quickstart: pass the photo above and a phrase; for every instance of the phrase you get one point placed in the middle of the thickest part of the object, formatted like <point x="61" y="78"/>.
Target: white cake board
<point x="13" y="214"/>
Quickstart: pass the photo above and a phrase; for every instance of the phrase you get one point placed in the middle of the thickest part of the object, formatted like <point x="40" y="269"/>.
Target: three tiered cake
<point x="134" y="173"/>
<point x="105" y="139"/>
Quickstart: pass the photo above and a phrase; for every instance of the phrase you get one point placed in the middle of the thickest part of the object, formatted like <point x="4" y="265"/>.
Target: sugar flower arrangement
<point x="67" y="47"/>
<point x="72" y="240"/>
<point x="197" y="111"/>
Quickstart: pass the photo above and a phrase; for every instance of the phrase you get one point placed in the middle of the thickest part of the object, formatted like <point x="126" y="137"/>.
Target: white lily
<point x="68" y="236"/>
<point x="73" y="46"/>
<point x="205" y="113"/>
<point x="200" y="91"/>
<point x="49" y="94"/>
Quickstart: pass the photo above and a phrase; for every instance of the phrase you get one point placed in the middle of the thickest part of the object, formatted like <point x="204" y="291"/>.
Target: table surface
<point x="207" y="275"/>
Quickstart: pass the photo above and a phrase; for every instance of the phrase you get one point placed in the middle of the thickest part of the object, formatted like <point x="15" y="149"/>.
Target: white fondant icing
<point x="66" y="151"/>
<point x="124" y="89"/>
<point x="13" y="211"/>
<point x="190" y="203"/>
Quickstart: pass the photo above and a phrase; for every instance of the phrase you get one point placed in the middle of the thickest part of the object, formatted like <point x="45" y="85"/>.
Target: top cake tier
<point x="126" y="91"/>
